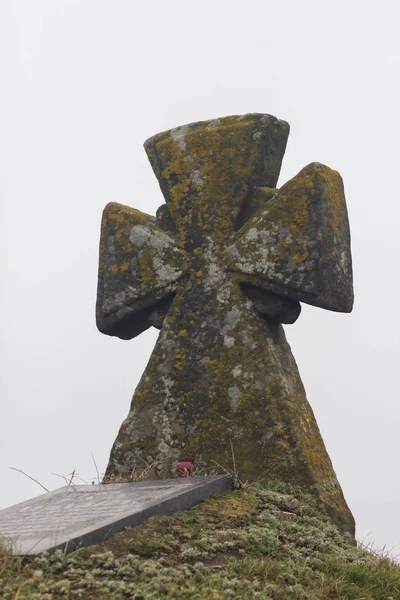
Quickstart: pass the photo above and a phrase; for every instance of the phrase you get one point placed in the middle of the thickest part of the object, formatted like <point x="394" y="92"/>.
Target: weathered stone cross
<point x="226" y="261"/>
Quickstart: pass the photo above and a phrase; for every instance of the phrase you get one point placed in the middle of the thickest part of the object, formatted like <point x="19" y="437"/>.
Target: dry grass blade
<point x="8" y="559"/>
<point x="146" y="471"/>
<point x="144" y="475"/>
<point x="17" y="596"/>
<point x="29" y="477"/>
<point x="71" y="477"/>
<point x="68" y="480"/>
<point x="235" y="472"/>
<point x="237" y="484"/>
<point x="62" y="477"/>
<point x="95" y="466"/>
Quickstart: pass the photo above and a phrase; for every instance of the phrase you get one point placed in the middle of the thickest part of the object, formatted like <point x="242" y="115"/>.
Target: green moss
<point x="220" y="373"/>
<point x="200" y="164"/>
<point x="268" y="541"/>
<point x="306" y="227"/>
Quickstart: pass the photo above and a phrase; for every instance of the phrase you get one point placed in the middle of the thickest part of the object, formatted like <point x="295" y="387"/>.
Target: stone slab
<point x="80" y="515"/>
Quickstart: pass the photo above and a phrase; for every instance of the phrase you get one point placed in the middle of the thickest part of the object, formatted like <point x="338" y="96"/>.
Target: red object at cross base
<point x="185" y="468"/>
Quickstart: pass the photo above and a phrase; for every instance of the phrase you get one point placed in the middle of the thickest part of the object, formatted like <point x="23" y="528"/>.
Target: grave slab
<point x="80" y="515"/>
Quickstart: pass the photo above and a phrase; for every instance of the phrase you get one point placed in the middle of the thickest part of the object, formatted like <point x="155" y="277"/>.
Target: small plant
<point x="238" y="484"/>
<point x="69" y="479"/>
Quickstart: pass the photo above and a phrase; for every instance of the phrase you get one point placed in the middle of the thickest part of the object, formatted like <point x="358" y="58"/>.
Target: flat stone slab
<point x="80" y="515"/>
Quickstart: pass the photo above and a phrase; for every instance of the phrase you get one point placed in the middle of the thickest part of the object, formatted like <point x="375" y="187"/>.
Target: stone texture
<point x="75" y="516"/>
<point x="299" y="245"/>
<point x="227" y="259"/>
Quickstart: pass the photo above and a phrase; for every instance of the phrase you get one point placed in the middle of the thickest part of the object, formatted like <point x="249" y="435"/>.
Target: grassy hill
<point x="269" y="542"/>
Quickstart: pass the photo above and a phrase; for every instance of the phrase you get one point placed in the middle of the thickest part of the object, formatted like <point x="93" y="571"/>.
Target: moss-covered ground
<point x="267" y="541"/>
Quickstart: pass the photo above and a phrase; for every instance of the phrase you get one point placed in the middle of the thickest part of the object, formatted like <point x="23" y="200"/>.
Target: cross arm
<point x="298" y="244"/>
<point x="139" y="267"/>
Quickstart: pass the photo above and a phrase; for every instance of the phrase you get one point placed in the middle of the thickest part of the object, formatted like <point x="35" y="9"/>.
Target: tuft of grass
<point x="265" y="541"/>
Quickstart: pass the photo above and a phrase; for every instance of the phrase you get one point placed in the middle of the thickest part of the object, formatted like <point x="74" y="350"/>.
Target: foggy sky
<point x="83" y="84"/>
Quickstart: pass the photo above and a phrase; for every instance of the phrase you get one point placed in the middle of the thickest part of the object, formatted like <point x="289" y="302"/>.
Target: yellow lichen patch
<point x="299" y="257"/>
<point x="146" y="269"/>
<point x="222" y="384"/>
<point x="211" y="365"/>
<point x="179" y="359"/>
<point x="119" y="268"/>
<point x="119" y="219"/>
<point x="206" y="170"/>
<point x="300" y="237"/>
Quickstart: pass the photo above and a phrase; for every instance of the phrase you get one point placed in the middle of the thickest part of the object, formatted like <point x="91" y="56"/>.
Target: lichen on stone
<point x="225" y="262"/>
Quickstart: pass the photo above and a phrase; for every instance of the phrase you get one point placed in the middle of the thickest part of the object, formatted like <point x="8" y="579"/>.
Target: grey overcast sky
<point x="83" y="84"/>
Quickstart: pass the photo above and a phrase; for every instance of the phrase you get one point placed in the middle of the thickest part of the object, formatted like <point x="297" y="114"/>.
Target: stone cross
<point x="227" y="259"/>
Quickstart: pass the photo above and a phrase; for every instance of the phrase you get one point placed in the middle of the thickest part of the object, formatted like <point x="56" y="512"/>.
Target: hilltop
<point x="271" y="542"/>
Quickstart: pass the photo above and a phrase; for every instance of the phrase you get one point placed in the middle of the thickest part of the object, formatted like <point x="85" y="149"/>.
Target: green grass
<point x="267" y="542"/>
